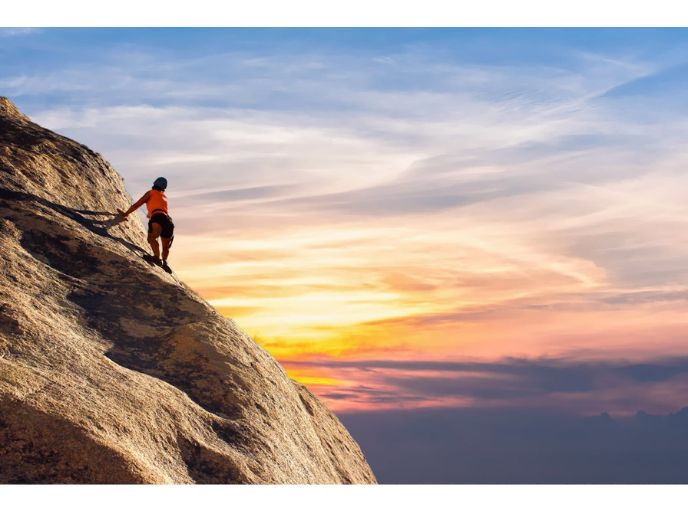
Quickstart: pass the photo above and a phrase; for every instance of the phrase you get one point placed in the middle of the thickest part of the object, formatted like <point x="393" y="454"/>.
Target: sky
<point x="408" y="219"/>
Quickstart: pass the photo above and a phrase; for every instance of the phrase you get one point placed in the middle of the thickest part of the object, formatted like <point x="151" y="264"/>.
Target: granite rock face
<point x="113" y="371"/>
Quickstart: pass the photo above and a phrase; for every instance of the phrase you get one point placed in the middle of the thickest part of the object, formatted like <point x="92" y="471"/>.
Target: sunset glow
<point x="373" y="206"/>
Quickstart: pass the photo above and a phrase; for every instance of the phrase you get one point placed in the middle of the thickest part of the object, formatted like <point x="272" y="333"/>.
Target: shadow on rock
<point x="96" y="226"/>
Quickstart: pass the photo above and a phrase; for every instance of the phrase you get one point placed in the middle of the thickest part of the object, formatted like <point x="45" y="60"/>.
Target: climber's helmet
<point x="160" y="184"/>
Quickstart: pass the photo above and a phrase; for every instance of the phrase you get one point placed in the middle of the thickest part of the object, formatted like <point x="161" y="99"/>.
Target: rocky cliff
<point x="111" y="370"/>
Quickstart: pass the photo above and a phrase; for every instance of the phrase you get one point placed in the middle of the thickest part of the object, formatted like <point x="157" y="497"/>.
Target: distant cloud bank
<point x="583" y="387"/>
<point x="521" y="446"/>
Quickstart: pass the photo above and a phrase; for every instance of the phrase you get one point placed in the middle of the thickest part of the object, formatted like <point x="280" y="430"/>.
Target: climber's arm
<point x="136" y="205"/>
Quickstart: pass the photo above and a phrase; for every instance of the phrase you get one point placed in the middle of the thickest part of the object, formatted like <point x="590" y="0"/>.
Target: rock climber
<point x="159" y="223"/>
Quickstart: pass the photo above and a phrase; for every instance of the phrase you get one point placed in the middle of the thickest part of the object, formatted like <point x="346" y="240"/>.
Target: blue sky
<point x="227" y="56"/>
<point x="396" y="87"/>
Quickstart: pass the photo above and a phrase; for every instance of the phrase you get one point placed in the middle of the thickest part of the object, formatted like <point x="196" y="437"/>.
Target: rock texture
<point x="111" y="370"/>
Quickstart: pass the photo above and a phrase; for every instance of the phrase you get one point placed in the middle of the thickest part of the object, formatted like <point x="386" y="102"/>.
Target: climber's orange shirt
<point x="156" y="201"/>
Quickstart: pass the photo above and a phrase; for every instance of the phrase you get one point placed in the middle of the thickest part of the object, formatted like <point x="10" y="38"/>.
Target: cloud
<point x="519" y="446"/>
<point x="217" y="149"/>
<point x="665" y="80"/>
<point x="362" y="124"/>
<point x="468" y="194"/>
<point x="234" y="194"/>
<point x="573" y="386"/>
<point x="18" y="31"/>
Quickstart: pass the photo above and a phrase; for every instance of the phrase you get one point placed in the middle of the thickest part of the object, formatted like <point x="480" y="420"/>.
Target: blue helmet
<point x="160" y="183"/>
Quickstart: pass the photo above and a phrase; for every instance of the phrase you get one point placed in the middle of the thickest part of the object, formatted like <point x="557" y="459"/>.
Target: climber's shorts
<point x="165" y="222"/>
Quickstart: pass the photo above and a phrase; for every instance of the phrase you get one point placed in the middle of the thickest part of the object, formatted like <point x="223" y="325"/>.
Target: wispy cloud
<point x="18" y="31"/>
<point x="584" y="387"/>
<point x="404" y="198"/>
